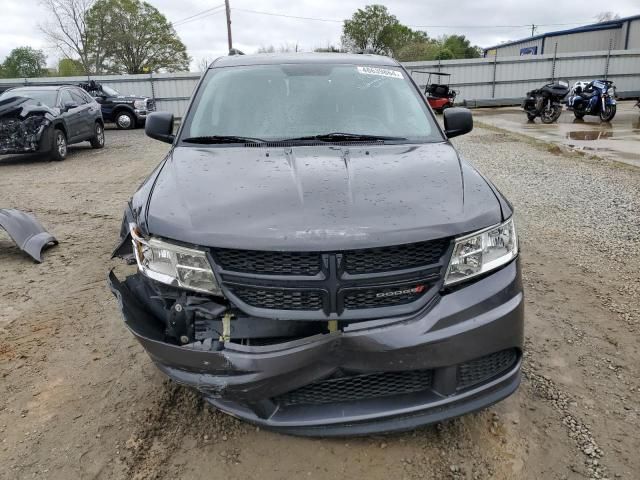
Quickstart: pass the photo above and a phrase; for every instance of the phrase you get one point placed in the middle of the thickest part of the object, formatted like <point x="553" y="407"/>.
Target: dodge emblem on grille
<point x="418" y="289"/>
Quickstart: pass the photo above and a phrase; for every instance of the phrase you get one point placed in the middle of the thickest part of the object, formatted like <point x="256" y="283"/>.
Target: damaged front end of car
<point x="458" y="352"/>
<point x="23" y="125"/>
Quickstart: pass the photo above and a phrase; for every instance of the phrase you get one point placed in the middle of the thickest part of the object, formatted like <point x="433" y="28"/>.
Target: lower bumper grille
<point x="359" y="387"/>
<point x="387" y="384"/>
<point x="484" y="368"/>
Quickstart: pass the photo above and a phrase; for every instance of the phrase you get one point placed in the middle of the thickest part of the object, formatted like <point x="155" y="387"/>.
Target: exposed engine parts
<point x="22" y="124"/>
<point x="23" y="135"/>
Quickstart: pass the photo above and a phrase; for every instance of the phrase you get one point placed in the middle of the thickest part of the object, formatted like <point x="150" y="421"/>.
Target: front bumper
<point x="141" y="115"/>
<point x="464" y="325"/>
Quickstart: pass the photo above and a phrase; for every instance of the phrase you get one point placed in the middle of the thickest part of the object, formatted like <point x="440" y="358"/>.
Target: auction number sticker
<point x="381" y="72"/>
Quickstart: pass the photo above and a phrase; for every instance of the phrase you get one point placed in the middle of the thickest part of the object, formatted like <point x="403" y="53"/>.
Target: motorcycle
<point x="546" y="102"/>
<point x="597" y="98"/>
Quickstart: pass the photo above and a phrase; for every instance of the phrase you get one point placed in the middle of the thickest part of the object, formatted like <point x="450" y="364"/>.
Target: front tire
<point x="125" y="120"/>
<point x="98" y="139"/>
<point x="531" y="116"/>
<point x="59" y="148"/>
<point x="551" y="115"/>
<point x="608" y="113"/>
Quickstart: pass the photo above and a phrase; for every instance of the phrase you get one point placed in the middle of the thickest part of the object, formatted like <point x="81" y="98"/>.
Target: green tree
<point x="25" y="62"/>
<point x="444" y="54"/>
<point x="369" y="29"/>
<point x="137" y="37"/>
<point x="67" y="31"/>
<point x="397" y="36"/>
<point x="419" y="51"/>
<point x="69" y="67"/>
<point x="460" y="47"/>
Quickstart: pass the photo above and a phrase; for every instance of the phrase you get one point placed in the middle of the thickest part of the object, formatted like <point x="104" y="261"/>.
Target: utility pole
<point x="228" y="9"/>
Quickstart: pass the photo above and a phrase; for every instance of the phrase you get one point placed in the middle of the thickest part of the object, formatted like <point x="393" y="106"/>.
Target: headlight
<point x="611" y="91"/>
<point x="140" y="104"/>
<point x="173" y="264"/>
<point x="482" y="252"/>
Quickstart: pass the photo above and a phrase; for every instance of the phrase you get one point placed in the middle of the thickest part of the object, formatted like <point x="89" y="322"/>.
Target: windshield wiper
<point x="213" y="139"/>
<point x="343" y="137"/>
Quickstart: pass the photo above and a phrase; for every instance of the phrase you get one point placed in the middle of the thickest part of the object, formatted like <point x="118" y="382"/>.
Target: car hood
<point x="23" y="106"/>
<point x="318" y="197"/>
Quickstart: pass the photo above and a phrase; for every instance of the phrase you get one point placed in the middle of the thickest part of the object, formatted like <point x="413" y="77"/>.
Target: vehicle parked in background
<point x="126" y="111"/>
<point x="597" y="98"/>
<point x="47" y="119"/>
<point x="439" y="95"/>
<point x="315" y="257"/>
<point x="546" y="102"/>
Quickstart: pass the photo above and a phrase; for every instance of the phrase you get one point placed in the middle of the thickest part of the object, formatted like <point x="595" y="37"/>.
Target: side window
<point x="65" y="97"/>
<point x="78" y="97"/>
<point x="87" y="97"/>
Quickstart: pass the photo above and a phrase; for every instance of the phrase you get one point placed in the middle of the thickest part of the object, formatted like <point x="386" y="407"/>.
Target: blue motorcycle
<point x="597" y="98"/>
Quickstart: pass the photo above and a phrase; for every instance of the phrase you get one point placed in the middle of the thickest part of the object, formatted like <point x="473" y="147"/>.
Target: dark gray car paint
<point x="323" y="198"/>
<point x="26" y="232"/>
<point x="317" y="197"/>
<point x="483" y="317"/>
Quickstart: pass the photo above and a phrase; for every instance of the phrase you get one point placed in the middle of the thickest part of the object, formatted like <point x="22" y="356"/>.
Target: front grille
<point x="278" y="299"/>
<point x="484" y="368"/>
<point x="268" y="263"/>
<point x="347" y="284"/>
<point x="399" y="257"/>
<point x="359" y="387"/>
<point x="384" y="296"/>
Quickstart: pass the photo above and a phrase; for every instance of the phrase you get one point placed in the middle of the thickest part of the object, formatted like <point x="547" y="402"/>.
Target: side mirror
<point x="69" y="105"/>
<point x="159" y="126"/>
<point x="457" y="121"/>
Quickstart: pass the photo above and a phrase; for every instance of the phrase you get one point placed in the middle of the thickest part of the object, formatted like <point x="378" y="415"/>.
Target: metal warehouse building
<point x="621" y="34"/>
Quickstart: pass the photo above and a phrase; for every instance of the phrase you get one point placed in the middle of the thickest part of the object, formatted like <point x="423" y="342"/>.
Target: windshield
<point x="276" y="102"/>
<point x="112" y="92"/>
<point x="45" y="97"/>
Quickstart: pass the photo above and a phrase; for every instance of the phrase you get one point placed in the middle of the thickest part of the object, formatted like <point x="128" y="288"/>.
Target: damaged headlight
<point x="482" y="252"/>
<point x="173" y="264"/>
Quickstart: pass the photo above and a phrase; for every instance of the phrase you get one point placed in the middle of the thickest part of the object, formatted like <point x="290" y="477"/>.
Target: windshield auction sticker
<point x="380" y="72"/>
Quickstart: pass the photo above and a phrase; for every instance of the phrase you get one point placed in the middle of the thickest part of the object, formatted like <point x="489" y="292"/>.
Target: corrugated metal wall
<point x="482" y="80"/>
<point x="506" y="79"/>
<point x="626" y="37"/>
<point x="633" y="37"/>
<point x="586" y="41"/>
<point x="513" y="50"/>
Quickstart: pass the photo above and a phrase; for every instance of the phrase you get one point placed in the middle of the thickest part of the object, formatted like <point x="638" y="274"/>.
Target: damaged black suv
<point x="314" y="256"/>
<point x="46" y="119"/>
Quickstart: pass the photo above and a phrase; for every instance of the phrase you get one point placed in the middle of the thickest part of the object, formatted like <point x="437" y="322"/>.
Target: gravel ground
<point x="80" y="398"/>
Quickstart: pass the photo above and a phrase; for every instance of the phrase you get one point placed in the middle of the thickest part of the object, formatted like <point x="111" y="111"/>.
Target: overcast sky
<point x="485" y="22"/>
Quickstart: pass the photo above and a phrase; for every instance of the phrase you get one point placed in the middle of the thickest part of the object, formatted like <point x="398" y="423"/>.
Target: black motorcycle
<point x="546" y="102"/>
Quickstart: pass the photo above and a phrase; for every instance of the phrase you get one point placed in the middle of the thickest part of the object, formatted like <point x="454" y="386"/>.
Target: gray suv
<point x="46" y="119"/>
<point x="315" y="257"/>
